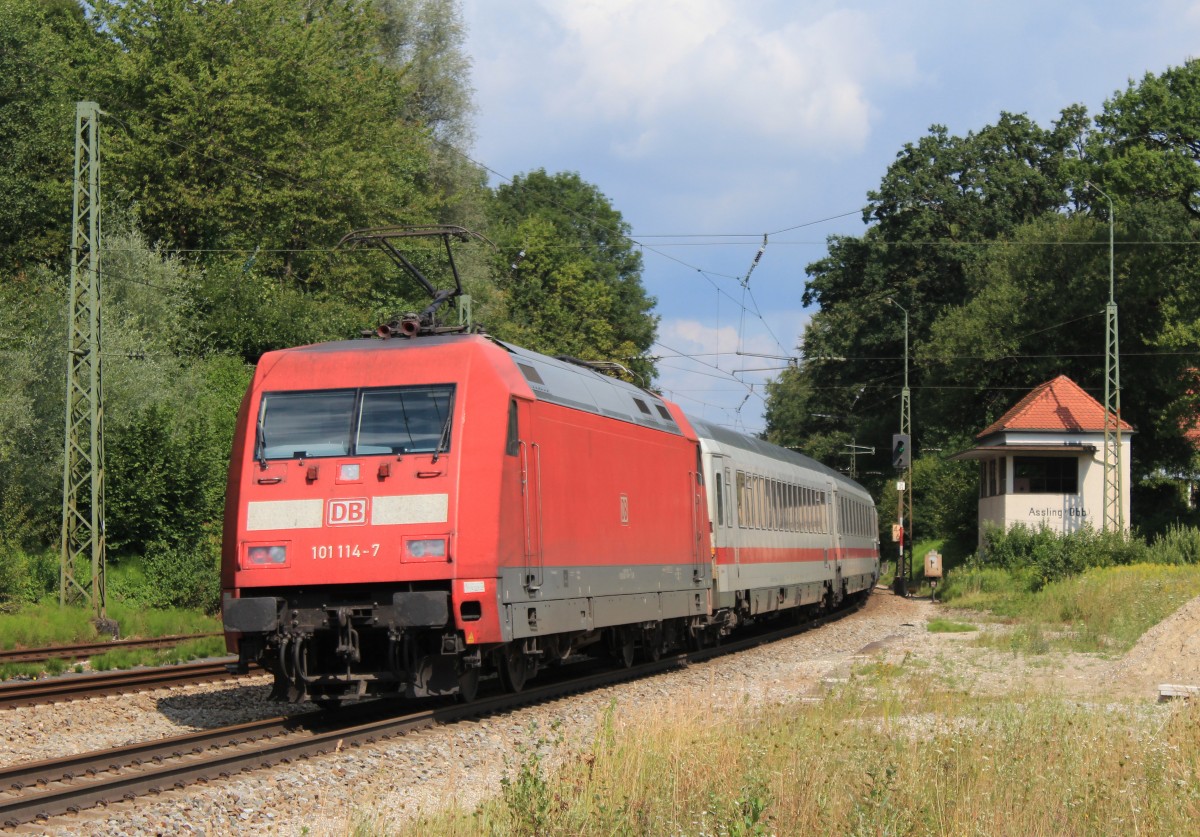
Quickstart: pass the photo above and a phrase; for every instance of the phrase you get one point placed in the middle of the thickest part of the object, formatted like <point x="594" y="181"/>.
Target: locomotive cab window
<point x="397" y="420"/>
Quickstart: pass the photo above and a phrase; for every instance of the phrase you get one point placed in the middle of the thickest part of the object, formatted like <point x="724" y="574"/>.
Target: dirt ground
<point x="1169" y="653"/>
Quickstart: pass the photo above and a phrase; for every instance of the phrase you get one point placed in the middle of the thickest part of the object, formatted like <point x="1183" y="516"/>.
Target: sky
<point x="711" y="123"/>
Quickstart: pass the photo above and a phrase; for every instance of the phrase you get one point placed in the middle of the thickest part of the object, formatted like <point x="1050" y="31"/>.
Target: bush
<point x="25" y="577"/>
<point x="1052" y="556"/>
<point x="1177" y="545"/>
<point x="172" y="576"/>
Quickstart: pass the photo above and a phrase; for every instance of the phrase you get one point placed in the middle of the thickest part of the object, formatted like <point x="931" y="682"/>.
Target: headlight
<point x="426" y="550"/>
<point x="266" y="556"/>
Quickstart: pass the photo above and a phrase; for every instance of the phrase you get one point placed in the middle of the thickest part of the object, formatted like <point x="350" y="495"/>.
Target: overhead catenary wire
<point x="748" y="305"/>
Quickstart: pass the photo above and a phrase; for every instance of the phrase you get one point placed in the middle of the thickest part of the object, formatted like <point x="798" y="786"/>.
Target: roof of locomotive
<point x="552" y="380"/>
<point x="582" y="388"/>
<point x="731" y="438"/>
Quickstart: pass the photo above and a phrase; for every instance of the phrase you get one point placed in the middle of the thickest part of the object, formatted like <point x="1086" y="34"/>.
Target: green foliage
<point x="1102" y="609"/>
<point x="948" y="626"/>
<point x="265" y="126"/>
<point x="1177" y="545"/>
<point x="528" y="796"/>
<point x="571" y="275"/>
<point x="32" y="366"/>
<point x="999" y="252"/>
<point x="182" y="653"/>
<point x="1149" y="137"/>
<point x="25" y="578"/>
<point x="44" y="46"/>
<point x="1052" y="556"/>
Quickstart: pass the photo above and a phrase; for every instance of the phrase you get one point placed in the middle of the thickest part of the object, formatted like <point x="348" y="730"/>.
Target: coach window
<point x="720" y="502"/>
<point x="728" y="501"/>
<point x="756" y="502"/>
<point x="741" y="499"/>
<point x="513" y="446"/>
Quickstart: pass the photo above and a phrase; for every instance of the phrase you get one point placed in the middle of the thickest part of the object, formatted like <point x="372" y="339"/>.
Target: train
<point x="405" y="516"/>
<point x="411" y="512"/>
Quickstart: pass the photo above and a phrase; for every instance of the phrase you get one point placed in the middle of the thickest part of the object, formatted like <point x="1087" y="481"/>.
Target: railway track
<point x="45" y="789"/>
<point x="78" y="687"/>
<point x="89" y="649"/>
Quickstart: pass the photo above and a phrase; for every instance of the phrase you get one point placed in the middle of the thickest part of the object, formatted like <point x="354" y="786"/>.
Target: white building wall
<point x="1062" y="513"/>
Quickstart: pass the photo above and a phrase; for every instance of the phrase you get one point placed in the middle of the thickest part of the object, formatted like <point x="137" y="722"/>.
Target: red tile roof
<point x="1058" y="406"/>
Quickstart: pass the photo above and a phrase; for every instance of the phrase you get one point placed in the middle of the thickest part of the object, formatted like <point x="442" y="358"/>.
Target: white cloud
<point x="728" y="74"/>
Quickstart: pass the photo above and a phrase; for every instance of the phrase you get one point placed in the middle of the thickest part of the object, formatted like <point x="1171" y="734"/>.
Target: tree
<point x="271" y="127"/>
<point x="571" y="275"/>
<point x="999" y="251"/>
<point x="1147" y="138"/>
<point x="43" y="46"/>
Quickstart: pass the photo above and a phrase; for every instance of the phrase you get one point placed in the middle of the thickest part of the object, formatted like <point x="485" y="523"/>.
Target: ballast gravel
<point x="388" y="783"/>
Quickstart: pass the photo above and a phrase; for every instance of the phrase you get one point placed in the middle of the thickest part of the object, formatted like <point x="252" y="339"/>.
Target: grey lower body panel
<point x="570" y="599"/>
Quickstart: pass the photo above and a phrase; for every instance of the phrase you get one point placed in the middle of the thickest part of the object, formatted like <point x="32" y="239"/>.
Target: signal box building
<point x="1042" y="462"/>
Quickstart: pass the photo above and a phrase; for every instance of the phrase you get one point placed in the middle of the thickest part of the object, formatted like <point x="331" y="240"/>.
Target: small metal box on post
<point x="933" y="571"/>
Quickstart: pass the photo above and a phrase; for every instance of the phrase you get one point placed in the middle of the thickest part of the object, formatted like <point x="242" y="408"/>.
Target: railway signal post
<point x="902" y="460"/>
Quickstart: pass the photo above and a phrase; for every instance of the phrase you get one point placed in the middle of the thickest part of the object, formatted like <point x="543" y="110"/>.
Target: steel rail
<point x="88" y="649"/>
<point x="78" y="687"/>
<point x="153" y="767"/>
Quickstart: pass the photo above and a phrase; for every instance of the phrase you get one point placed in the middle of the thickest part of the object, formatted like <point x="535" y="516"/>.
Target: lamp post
<point x="1114" y="506"/>
<point x="904" y="494"/>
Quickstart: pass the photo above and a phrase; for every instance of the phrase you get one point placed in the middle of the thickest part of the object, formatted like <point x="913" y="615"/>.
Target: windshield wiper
<point x="261" y="447"/>
<point x="444" y="439"/>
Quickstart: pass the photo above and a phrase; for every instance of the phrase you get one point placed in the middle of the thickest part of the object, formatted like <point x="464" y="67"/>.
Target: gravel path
<point x="464" y="763"/>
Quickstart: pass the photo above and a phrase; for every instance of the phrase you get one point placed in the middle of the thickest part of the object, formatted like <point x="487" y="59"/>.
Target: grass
<point x="889" y="752"/>
<point x="191" y="650"/>
<point x="895" y="750"/>
<point x="44" y="624"/>
<point x="946" y="626"/>
<point x="35" y="626"/>
<point x="1101" y="610"/>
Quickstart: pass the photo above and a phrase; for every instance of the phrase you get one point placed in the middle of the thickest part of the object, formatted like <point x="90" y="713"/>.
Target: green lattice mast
<point x="83" y="460"/>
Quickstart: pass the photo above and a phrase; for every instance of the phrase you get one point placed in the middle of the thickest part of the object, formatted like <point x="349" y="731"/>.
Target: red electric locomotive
<point x="405" y="514"/>
<point x="399" y="510"/>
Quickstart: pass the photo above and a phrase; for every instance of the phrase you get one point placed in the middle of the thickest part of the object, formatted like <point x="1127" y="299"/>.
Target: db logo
<point x="347" y="512"/>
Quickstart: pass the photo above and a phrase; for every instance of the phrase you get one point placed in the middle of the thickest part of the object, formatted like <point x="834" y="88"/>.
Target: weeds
<point x="946" y="626"/>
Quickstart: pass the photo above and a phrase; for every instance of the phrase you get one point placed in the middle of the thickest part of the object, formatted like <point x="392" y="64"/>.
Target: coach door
<point x="835" y="527"/>
<point x="720" y="513"/>
<point x="531" y="498"/>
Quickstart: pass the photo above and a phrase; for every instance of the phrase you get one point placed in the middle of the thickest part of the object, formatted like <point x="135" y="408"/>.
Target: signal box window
<point x="298" y="425"/>
<point x="992" y="477"/>
<point x="1045" y="475"/>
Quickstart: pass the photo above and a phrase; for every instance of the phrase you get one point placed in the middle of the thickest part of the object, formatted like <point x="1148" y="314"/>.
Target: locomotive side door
<point x="530" y="453"/>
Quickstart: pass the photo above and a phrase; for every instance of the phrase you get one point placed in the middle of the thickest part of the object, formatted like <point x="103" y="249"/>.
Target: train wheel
<point x="652" y="642"/>
<point x="626" y="647"/>
<point x="514" y="668"/>
<point x="468" y="684"/>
